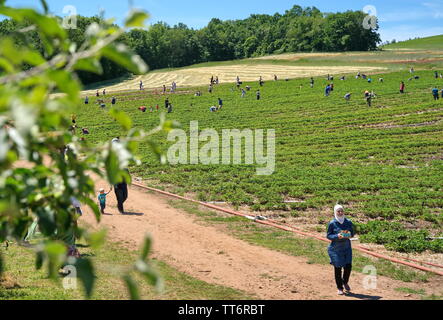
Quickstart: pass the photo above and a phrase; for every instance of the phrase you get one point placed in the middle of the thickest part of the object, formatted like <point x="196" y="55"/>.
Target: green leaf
<point x="120" y="54"/>
<point x="56" y="253"/>
<point x="85" y="272"/>
<point x="132" y="287"/>
<point x="94" y="207"/>
<point x="90" y="64"/>
<point x="45" y="6"/>
<point x="150" y="275"/>
<point x="121" y="118"/>
<point x="96" y="239"/>
<point x="112" y="167"/>
<point x="146" y="247"/>
<point x="136" y="18"/>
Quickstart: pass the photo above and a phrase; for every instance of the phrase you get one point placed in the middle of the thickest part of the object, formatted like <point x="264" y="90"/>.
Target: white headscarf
<point x="339" y="219"/>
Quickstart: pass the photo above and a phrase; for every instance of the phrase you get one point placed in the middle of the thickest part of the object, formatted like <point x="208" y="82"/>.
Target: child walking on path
<point x="102" y="199"/>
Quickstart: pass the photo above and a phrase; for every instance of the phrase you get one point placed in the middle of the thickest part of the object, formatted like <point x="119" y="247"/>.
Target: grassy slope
<point x="428" y="43"/>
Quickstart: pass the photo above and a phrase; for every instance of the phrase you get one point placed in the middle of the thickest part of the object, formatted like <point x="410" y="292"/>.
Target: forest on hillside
<point x="164" y="46"/>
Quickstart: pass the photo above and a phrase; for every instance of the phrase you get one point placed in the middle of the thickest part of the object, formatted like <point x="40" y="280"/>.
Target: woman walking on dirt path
<point x="340" y="230"/>
<point x="121" y="192"/>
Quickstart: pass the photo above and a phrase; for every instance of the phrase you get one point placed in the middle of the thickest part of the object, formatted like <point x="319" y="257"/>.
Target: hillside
<point x="428" y="43"/>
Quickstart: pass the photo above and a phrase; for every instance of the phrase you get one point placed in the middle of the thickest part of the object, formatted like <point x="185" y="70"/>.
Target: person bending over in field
<point x="114" y="101"/>
<point x="258" y="94"/>
<point x="142" y="109"/>
<point x="213" y="109"/>
<point x="435" y="93"/>
<point x="347" y="96"/>
<point x="312" y="82"/>
<point x="327" y="90"/>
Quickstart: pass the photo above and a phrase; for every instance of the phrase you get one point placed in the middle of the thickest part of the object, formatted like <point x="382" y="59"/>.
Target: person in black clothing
<point x="166" y="103"/>
<point x="121" y="192"/>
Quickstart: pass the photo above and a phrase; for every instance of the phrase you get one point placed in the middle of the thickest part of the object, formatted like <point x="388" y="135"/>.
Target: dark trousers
<point x="340" y="279"/>
<point x="121" y="192"/>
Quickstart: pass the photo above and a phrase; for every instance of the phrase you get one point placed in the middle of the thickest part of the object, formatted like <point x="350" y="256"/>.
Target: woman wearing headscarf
<point x="340" y="230"/>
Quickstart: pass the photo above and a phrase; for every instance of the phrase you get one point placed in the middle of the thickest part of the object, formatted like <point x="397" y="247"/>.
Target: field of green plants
<point x="382" y="162"/>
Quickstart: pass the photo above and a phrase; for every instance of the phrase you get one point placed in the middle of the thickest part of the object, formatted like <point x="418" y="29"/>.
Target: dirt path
<point x="212" y="256"/>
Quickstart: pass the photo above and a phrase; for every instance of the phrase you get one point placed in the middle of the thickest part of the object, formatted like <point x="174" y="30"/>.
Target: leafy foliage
<point x="38" y="93"/>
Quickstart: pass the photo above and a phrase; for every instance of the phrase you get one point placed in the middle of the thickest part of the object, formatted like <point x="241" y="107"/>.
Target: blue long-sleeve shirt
<point x="340" y="250"/>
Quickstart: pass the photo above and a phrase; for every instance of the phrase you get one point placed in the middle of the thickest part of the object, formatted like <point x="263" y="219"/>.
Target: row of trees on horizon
<point x="164" y="46"/>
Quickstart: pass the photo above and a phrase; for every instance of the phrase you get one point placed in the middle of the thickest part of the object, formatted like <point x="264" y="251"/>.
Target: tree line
<point x="164" y="46"/>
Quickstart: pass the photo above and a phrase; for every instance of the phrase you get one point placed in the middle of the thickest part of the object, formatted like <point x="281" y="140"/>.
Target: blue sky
<point x="399" y="19"/>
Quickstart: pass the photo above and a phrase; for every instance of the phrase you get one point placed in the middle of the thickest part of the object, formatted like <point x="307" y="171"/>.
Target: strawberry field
<point x="382" y="162"/>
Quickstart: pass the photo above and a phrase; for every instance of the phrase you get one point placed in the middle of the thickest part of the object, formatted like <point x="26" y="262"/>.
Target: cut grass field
<point x="22" y="282"/>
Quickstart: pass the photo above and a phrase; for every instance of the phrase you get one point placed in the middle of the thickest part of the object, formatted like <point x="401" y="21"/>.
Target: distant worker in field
<point x="343" y="78"/>
<point x="213" y="109"/>
<point x="364" y="76"/>
<point x="170" y="108"/>
<point x="275" y="77"/>
<point x="369" y="80"/>
<point x="156" y="107"/>
<point x="86" y="100"/>
<point x="435" y="93"/>
<point x="141" y="85"/>
<point x="97" y="94"/>
<point x="85" y="131"/>
<point x="402" y="87"/>
<point x="104" y="92"/>
<point x="328" y="90"/>
<point x="243" y="93"/>
<point x="347" y="96"/>
<point x="212" y="80"/>
<point x="332" y="87"/>
<point x="210" y="88"/>
<point x="312" y="82"/>
<point x="260" y="81"/>
<point x="368" y="97"/>
<point x="114" y="101"/>
<point x="381" y="80"/>
<point x="166" y="103"/>
<point x="220" y="103"/>
<point x="436" y="75"/>
<point x="216" y="80"/>
<point x="411" y="70"/>
<point x="248" y="88"/>
<point x="258" y="93"/>
<point x="164" y="89"/>
<point x="142" y="109"/>
<point x="340" y="231"/>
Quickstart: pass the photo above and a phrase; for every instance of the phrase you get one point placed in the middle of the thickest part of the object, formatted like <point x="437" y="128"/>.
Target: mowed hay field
<point x="199" y="76"/>
<point x="384" y="162"/>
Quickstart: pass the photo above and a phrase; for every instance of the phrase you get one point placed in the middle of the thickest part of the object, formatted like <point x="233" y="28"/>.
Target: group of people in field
<point x="340" y="230"/>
